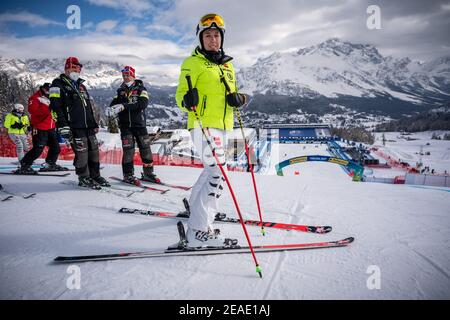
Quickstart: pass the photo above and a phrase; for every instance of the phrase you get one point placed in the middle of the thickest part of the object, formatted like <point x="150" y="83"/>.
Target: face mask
<point x="129" y="83"/>
<point x="74" y="76"/>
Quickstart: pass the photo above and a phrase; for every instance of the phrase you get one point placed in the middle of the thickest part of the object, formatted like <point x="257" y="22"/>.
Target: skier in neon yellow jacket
<point x="17" y="123"/>
<point x="214" y="95"/>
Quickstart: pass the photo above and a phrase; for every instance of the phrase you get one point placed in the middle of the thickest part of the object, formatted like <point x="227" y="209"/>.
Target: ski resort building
<point x="298" y="133"/>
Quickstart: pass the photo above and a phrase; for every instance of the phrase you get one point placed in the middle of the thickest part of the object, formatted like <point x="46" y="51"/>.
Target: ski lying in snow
<point x="112" y="190"/>
<point x="142" y="187"/>
<point x="7" y="198"/>
<point x="206" y="251"/>
<point x="167" y="185"/>
<point x="28" y="196"/>
<point x="221" y="217"/>
<point x="12" y="195"/>
<point x="40" y="174"/>
<point x="37" y="166"/>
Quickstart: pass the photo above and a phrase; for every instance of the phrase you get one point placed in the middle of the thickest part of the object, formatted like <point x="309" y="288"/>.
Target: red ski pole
<point x="250" y="166"/>
<point x="207" y="135"/>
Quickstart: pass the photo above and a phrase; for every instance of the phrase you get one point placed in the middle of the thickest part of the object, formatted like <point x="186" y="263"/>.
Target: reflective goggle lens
<point x="209" y="19"/>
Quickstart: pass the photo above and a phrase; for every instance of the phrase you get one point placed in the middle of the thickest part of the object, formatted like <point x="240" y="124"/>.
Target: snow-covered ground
<point x="401" y="230"/>
<point x="398" y="147"/>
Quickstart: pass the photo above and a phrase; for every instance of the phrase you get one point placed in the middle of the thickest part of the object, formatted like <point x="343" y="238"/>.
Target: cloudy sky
<point x="155" y="35"/>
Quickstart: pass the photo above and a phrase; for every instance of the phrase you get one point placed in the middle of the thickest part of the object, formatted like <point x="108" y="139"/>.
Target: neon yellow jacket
<point x="206" y="77"/>
<point x="12" y="119"/>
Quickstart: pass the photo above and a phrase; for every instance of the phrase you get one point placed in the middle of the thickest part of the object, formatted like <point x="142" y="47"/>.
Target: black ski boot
<point x="149" y="176"/>
<point x="88" y="182"/>
<point x="131" y="179"/>
<point x="25" y="169"/>
<point x="101" y="181"/>
<point x="50" y="167"/>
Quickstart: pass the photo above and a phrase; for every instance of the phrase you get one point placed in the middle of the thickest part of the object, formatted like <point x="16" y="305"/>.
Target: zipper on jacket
<point x="129" y="117"/>
<point x="225" y="110"/>
<point x="222" y="79"/>
<point x="128" y="94"/>
<point x="85" y="116"/>
<point x="202" y="111"/>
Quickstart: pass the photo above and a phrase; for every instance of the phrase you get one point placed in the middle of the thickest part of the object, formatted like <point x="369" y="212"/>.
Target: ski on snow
<point x="12" y="195"/>
<point x="141" y="186"/>
<point x="40" y="174"/>
<point x="222" y="218"/>
<point x="168" y="185"/>
<point x="113" y="190"/>
<point x="177" y="251"/>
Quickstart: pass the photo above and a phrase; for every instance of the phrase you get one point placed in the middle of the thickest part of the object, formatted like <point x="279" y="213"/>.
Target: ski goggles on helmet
<point x="129" y="71"/>
<point x="209" y="21"/>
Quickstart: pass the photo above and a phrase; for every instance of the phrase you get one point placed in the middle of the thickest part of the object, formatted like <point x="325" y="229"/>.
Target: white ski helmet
<point x="210" y="21"/>
<point x="19" y="107"/>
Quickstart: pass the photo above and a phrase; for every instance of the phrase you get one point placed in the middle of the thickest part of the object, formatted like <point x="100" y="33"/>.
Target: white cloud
<point x="162" y="29"/>
<point x="158" y="60"/>
<point x="33" y="20"/>
<point x="130" y="29"/>
<point x="260" y="27"/>
<point x="88" y="25"/>
<point x="254" y="28"/>
<point x="106" y="25"/>
<point x="132" y="8"/>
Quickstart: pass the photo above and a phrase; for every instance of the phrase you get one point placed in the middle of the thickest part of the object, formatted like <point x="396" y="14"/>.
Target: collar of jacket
<point x="136" y="83"/>
<point x="19" y="115"/>
<point x="79" y="81"/>
<point x="224" y="59"/>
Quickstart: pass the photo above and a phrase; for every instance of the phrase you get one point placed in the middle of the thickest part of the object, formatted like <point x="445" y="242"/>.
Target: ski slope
<point x="435" y="153"/>
<point x="400" y="229"/>
<point x="307" y="170"/>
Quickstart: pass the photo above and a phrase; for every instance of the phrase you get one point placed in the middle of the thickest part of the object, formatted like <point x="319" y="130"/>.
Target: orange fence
<point x="393" y="162"/>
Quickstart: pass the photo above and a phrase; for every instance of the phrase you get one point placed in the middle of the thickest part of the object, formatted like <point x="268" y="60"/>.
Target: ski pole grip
<point x="188" y="79"/>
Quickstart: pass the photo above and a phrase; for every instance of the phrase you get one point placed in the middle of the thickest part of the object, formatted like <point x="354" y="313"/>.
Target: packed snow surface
<point x="401" y="232"/>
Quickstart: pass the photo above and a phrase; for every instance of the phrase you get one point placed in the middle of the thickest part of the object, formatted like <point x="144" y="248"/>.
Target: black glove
<point x="190" y="99"/>
<point x="17" y="125"/>
<point x="236" y="100"/>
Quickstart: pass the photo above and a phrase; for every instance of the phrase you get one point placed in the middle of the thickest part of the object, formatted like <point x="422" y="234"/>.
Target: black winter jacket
<point x="71" y="103"/>
<point x="135" y="101"/>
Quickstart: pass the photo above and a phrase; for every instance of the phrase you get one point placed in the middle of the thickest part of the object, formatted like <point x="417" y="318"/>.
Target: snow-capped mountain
<point x="102" y="79"/>
<point x="310" y="80"/>
<point x="337" y="68"/>
<point x="98" y="74"/>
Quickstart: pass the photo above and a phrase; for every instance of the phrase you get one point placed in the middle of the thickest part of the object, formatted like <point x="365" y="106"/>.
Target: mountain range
<point x="355" y="76"/>
<point x="326" y="78"/>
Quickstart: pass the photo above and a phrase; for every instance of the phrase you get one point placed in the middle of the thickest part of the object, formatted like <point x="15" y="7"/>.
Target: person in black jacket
<point x="129" y="104"/>
<point x="75" y="122"/>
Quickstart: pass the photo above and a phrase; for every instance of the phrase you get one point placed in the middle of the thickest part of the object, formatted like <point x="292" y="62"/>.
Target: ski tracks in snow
<point x="428" y="260"/>
<point x="281" y="256"/>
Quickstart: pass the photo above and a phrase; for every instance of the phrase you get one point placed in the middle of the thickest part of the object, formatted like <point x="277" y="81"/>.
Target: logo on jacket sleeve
<point x="54" y="92"/>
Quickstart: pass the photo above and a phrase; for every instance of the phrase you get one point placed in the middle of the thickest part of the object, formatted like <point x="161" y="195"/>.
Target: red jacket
<point x="41" y="116"/>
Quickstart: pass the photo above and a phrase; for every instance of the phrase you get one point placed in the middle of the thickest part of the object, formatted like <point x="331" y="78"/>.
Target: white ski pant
<point x="209" y="186"/>
<point x="21" y="142"/>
